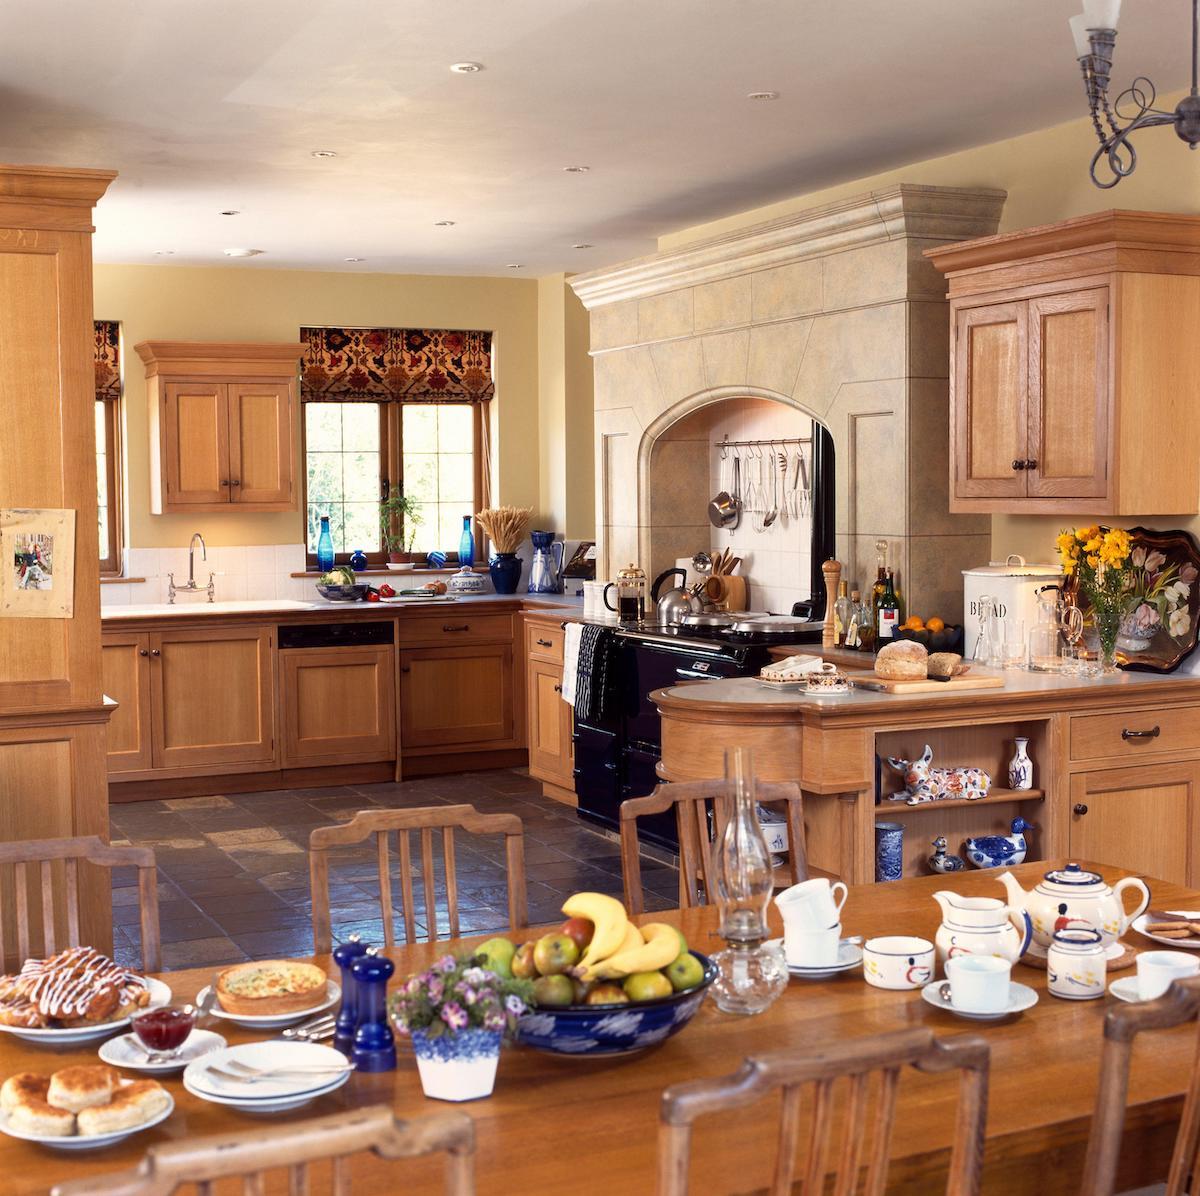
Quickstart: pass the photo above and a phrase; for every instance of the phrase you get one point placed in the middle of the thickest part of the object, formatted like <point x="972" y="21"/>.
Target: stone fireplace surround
<point x="833" y="311"/>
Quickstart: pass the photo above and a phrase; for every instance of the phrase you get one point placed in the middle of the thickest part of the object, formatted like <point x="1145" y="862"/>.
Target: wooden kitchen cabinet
<point x="453" y="698"/>
<point x="1072" y="380"/>
<point x="223" y="426"/>
<point x="125" y="667"/>
<point x="338" y="705"/>
<point x="1143" y="819"/>
<point x="551" y="725"/>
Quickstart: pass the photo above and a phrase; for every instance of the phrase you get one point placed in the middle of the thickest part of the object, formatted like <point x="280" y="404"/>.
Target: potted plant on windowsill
<point x="399" y="518"/>
<point x="456" y="1014"/>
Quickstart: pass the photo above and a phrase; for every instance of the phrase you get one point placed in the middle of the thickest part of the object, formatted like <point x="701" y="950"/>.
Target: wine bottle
<point x="877" y="588"/>
<point x="842" y="610"/>
<point x="887" y="612"/>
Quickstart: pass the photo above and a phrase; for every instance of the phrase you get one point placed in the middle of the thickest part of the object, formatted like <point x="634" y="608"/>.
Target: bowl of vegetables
<point x="338" y="585"/>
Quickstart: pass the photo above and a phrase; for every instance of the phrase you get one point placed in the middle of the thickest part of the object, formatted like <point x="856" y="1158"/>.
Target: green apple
<point x="647" y="986"/>
<point x="523" y="967"/>
<point x="607" y="994"/>
<point x="683" y="947"/>
<point x="553" y="990"/>
<point x="555" y="953"/>
<point x="686" y="972"/>
<point x="498" y="957"/>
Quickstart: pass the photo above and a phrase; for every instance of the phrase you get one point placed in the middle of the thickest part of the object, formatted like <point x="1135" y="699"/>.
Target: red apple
<point x="523" y="966"/>
<point x="579" y="929"/>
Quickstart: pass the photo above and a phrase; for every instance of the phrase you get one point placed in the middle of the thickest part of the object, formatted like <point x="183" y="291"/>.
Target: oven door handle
<point x="693" y="674"/>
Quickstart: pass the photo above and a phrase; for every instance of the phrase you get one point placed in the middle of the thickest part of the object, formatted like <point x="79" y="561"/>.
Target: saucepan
<point x="725" y="510"/>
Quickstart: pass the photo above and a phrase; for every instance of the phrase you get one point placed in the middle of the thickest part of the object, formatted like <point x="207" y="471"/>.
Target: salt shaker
<point x="1076" y="964"/>
<point x="374" y="1044"/>
<point x="344" y="955"/>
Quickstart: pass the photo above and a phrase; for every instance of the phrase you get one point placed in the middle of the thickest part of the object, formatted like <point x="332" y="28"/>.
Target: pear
<point x="498" y="956"/>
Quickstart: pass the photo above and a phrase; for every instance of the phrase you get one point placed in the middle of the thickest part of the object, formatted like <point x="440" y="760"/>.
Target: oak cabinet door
<point x="1143" y="819"/>
<point x="261" y="442"/>
<point x="550" y="747"/>
<point x="989" y="412"/>
<point x="212" y="697"/>
<point x="456" y="696"/>
<point x="125" y="666"/>
<point x="1068" y="395"/>
<point x="338" y="705"/>
<point x="195" y="443"/>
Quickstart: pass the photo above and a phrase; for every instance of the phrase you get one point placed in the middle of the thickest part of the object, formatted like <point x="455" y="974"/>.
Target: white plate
<point x="1020" y="998"/>
<point x="265" y="1096"/>
<point x="160" y="994"/>
<point x="783" y="686"/>
<point x="87" y="1141"/>
<point x="849" y="956"/>
<point x="1139" y="924"/>
<point x="126" y="1051"/>
<point x="333" y="993"/>
<point x="1126" y="989"/>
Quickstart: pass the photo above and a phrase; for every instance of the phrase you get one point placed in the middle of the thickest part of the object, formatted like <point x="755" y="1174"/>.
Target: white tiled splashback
<point x="256" y="571"/>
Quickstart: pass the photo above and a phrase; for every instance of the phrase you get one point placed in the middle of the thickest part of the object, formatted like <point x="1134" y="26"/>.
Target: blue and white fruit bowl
<point x="598" y="1031"/>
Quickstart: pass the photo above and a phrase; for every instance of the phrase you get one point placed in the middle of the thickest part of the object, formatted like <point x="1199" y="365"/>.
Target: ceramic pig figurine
<point x="923" y="782"/>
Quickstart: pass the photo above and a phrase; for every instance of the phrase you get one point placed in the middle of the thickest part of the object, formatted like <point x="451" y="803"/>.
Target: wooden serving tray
<point x="882" y="685"/>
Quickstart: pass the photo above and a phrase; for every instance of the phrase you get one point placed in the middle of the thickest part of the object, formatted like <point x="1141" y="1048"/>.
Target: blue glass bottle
<point x="324" y="547"/>
<point x="466" y="545"/>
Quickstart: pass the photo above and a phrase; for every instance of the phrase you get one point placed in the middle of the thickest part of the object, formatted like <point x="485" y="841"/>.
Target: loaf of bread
<point x="271" y="987"/>
<point x="902" y="660"/>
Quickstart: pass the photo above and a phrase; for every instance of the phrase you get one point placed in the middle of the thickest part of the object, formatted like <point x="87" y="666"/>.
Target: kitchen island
<point x="1116" y="763"/>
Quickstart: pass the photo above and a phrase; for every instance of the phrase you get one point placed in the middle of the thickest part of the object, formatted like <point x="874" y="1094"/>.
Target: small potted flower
<point x="456" y="1014"/>
<point x="399" y="518"/>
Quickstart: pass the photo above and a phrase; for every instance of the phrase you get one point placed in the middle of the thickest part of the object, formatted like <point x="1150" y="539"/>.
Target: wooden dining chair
<point x="425" y="819"/>
<point x="251" y="1154"/>
<point x="866" y="1131"/>
<point x="697" y="835"/>
<point x="1122" y="1024"/>
<point x="34" y="860"/>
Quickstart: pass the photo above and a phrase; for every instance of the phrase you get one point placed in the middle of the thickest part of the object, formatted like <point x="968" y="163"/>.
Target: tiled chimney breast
<point x="833" y="311"/>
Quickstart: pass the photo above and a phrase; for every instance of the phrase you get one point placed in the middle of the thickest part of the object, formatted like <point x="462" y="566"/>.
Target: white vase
<point x="458" y="1066"/>
<point x="1020" y="767"/>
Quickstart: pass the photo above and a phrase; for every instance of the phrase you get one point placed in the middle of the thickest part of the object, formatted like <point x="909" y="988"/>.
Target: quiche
<point x="272" y="986"/>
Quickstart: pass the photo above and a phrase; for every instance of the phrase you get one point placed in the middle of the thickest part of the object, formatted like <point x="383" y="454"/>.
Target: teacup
<point x="977" y="983"/>
<point x="812" y="948"/>
<point x="1157" y="969"/>
<point x="898" y="961"/>
<point x="812" y="904"/>
<point x="826" y="680"/>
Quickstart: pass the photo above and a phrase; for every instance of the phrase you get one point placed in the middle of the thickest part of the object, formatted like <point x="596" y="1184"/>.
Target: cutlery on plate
<point x="279" y="1073"/>
<point x="316" y="1025"/>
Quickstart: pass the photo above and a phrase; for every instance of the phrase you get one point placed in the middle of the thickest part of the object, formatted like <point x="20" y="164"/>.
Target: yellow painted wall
<point x="232" y="304"/>
<point x="1046" y="176"/>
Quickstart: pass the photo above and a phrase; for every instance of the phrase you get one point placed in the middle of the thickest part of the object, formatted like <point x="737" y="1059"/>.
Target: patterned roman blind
<point x="396" y="365"/>
<point x="108" y="360"/>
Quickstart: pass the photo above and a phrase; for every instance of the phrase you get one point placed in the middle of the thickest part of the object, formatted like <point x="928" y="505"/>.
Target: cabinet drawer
<point x="544" y="641"/>
<point x="1135" y="733"/>
<point x="453" y="627"/>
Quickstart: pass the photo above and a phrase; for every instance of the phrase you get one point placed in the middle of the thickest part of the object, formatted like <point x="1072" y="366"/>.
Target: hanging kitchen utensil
<point x="773" y="511"/>
<point x="722" y="511"/>
<point x="781" y="462"/>
<point x="805" y="485"/>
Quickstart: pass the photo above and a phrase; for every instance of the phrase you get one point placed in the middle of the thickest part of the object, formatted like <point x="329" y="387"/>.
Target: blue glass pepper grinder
<point x="374" y="1045"/>
<point x="344" y="954"/>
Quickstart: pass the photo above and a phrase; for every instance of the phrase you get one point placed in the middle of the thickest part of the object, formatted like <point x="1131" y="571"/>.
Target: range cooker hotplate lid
<point x="774" y="626"/>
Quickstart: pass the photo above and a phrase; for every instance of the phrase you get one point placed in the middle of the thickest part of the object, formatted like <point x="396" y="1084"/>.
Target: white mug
<point x="898" y="961"/>
<point x="811" y="904"/>
<point x="978" y="983"/>
<point x="812" y="948"/>
<point x="1157" y="969"/>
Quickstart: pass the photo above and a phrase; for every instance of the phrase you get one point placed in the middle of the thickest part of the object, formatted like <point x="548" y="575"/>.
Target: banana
<point x="660" y="949"/>
<point x="632" y="941"/>
<point x="607" y="916"/>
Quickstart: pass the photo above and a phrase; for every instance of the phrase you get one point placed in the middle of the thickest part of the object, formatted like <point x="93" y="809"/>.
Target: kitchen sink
<point x="193" y="607"/>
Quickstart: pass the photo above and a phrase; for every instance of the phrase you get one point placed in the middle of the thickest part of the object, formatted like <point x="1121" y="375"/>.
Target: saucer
<point x="1020" y="998"/>
<point x="1126" y="989"/>
<point x="849" y="956"/>
<point x="126" y="1051"/>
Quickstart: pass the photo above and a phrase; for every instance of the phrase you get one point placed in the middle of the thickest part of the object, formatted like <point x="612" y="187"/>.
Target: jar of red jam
<point x="164" y="1029"/>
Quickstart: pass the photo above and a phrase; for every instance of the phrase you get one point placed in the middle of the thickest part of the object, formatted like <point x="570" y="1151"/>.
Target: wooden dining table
<point x="558" y="1124"/>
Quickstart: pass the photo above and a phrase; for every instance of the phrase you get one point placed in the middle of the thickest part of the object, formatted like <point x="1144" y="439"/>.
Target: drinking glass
<point x="1013" y="644"/>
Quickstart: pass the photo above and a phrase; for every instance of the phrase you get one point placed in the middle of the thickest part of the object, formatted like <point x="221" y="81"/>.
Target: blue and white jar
<point x="457" y="1066"/>
<point x="889" y="850"/>
<point x="1020" y="767"/>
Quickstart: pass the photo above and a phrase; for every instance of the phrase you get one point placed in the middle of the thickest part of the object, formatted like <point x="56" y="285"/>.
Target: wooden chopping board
<point x="882" y="685"/>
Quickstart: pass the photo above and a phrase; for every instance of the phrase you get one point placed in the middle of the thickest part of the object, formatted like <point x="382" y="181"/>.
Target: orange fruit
<point x="914" y="623"/>
<point x="936" y="624"/>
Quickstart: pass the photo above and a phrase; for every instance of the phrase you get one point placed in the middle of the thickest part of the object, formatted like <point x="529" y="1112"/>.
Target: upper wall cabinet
<point x="1072" y="376"/>
<point x="223" y="426"/>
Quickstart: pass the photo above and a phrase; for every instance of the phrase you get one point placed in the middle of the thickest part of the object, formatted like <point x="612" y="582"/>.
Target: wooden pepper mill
<point x="832" y="572"/>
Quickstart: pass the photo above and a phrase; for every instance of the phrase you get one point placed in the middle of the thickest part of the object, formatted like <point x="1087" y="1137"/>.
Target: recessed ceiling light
<point x="582" y="245"/>
<point x="515" y="266"/>
<point x="163" y="252"/>
<point x="354" y="259"/>
<point x="243" y="252"/>
<point x="763" y="95"/>
<point x="323" y="154"/>
<point x="444" y="223"/>
<point x="466" y="68"/>
<point x="576" y="169"/>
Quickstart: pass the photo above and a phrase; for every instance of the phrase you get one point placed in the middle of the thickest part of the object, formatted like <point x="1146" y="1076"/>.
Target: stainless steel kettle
<point x="674" y="604"/>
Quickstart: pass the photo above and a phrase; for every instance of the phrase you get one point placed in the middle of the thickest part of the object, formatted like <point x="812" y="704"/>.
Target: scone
<point x="37" y="1117"/>
<point x="77" y="1088"/>
<point x="24" y="1086"/>
<point x="902" y="660"/>
<point x="131" y="1106"/>
<point x="270" y="987"/>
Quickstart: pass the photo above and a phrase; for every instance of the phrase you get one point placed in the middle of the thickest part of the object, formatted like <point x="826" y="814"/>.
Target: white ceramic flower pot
<point x="458" y="1067"/>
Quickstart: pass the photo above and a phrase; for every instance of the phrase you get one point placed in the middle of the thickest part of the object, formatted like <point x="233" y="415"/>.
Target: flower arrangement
<point x="1098" y="557"/>
<point x="456" y="995"/>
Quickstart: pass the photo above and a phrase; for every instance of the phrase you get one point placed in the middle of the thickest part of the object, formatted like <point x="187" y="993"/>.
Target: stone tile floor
<point x="233" y="871"/>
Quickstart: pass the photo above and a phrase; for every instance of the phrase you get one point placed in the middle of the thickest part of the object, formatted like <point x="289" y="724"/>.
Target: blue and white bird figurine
<point x="940" y="861"/>
<point x="995" y="851"/>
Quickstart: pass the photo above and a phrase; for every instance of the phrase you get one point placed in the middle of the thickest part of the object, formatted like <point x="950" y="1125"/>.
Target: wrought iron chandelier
<point x="1095" y="33"/>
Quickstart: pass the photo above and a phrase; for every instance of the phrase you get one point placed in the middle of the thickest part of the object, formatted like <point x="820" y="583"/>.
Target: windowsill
<point x="115" y="579"/>
<point x="377" y="572"/>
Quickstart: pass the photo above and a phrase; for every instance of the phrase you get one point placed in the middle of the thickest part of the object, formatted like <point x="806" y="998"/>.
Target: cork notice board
<point x="37" y="563"/>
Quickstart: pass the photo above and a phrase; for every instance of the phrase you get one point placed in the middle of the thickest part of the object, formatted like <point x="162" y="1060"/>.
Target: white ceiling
<point x="204" y="105"/>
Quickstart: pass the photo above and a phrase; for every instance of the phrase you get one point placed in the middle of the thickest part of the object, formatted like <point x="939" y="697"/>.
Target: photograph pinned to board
<point x="37" y="563"/>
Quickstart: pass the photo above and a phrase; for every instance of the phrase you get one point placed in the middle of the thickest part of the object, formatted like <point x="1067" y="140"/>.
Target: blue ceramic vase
<point x="889" y="850"/>
<point x="505" y="568"/>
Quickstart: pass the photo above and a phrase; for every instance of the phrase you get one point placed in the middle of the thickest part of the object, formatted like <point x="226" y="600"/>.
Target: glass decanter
<point x="984" y="648"/>
<point x="752" y="973"/>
